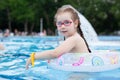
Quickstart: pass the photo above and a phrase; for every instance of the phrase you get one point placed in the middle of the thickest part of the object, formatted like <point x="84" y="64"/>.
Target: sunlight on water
<point x="12" y="63"/>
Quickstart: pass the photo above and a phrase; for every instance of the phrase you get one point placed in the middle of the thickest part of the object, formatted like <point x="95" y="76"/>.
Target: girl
<point x="67" y="22"/>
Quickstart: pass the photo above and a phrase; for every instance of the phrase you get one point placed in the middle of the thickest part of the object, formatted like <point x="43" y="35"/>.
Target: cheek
<point x="72" y="27"/>
<point x="58" y="28"/>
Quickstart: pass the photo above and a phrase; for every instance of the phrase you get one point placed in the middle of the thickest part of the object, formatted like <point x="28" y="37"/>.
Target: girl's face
<point x="66" y="25"/>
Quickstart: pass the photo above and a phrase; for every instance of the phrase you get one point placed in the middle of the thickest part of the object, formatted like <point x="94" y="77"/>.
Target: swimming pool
<point x="18" y="49"/>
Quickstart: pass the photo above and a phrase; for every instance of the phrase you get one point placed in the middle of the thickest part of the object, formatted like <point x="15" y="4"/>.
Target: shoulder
<point x="72" y="38"/>
<point x="75" y="38"/>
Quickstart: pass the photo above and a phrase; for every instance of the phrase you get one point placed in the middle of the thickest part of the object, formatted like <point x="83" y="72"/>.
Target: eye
<point x="67" y="22"/>
<point x="58" y="23"/>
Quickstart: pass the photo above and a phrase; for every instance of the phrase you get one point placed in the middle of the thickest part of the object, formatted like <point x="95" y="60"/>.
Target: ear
<point x="76" y="23"/>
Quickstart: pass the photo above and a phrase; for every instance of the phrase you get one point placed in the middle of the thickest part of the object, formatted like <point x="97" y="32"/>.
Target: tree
<point x="104" y="15"/>
<point x="4" y="5"/>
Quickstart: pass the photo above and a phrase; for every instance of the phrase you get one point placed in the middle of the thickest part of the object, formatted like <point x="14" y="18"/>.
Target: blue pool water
<point x="109" y="38"/>
<point x="18" y="49"/>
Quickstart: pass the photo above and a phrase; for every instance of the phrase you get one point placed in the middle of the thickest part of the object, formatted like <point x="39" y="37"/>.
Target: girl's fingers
<point x="27" y="63"/>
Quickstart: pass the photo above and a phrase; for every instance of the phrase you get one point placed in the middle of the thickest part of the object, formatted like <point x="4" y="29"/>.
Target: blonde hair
<point x="67" y="8"/>
<point x="74" y="17"/>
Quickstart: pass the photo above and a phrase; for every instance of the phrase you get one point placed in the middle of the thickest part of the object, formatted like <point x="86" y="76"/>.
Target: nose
<point x="62" y="26"/>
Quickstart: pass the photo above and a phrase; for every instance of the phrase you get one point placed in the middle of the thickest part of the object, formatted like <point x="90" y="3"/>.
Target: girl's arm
<point x="64" y="47"/>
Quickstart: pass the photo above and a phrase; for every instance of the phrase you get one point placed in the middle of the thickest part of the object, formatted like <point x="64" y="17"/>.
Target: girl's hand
<point x="27" y="63"/>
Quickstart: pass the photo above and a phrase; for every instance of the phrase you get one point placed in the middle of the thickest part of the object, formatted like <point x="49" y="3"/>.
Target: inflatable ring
<point x="87" y="62"/>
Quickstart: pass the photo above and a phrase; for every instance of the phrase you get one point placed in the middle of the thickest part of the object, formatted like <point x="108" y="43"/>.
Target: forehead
<point x="64" y="16"/>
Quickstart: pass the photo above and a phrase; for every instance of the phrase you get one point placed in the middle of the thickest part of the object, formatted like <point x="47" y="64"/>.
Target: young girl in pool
<point x="68" y="23"/>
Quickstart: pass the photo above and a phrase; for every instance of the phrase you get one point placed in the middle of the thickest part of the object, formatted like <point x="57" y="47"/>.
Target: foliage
<point x="25" y="15"/>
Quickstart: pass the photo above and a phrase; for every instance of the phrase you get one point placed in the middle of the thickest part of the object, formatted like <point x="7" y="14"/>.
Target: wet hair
<point x="74" y="16"/>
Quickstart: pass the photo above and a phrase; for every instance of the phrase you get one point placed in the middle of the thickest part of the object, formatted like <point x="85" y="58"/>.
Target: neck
<point x="71" y="35"/>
